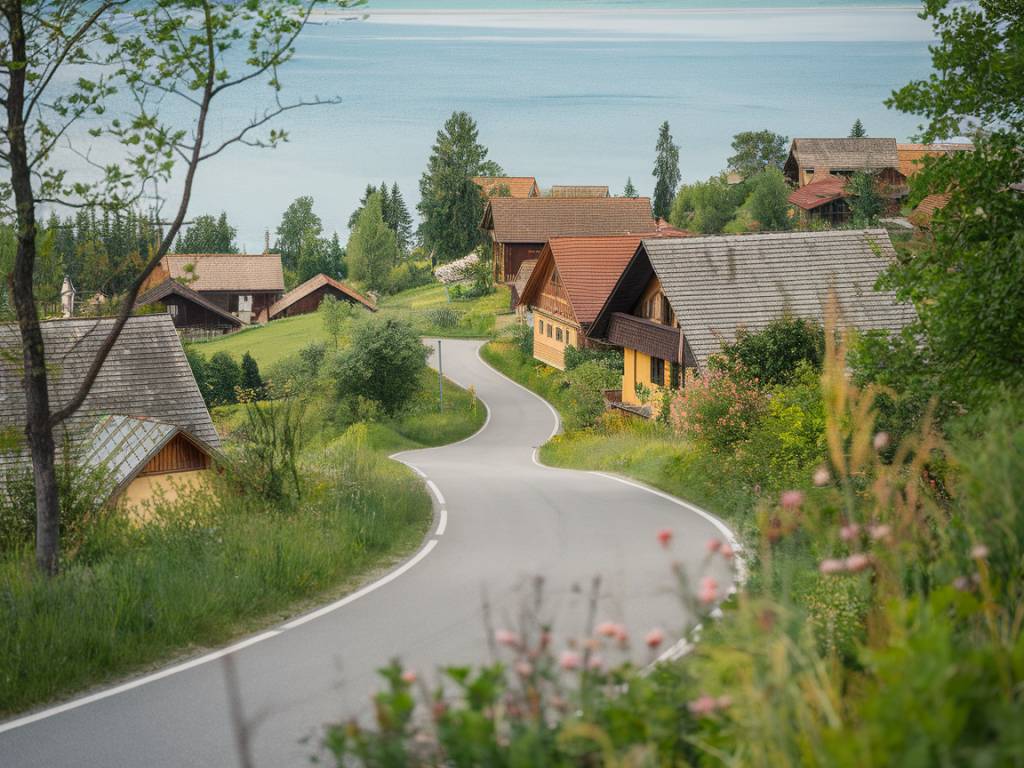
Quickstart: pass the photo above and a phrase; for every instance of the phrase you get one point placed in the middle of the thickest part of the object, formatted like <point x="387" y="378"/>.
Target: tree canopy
<point x="372" y="246"/>
<point x="666" y="172"/>
<point x="208" y="234"/>
<point x="769" y="200"/>
<point x="857" y="130"/>
<point x="756" y="151"/>
<point x="630" y="190"/>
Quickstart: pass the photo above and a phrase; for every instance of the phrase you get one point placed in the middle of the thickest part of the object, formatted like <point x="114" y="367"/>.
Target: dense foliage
<point x="208" y="234"/>
<point x="393" y="210"/>
<point x="372" y="247"/>
<point x="758" y="151"/>
<point x="773" y="354"/>
<point x="666" y="172"/>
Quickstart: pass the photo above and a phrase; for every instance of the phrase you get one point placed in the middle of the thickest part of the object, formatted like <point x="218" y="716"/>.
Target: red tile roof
<point x="538" y="219"/>
<point x="518" y="186"/>
<point x="923" y="214"/>
<point x="311" y="285"/>
<point x="818" y="193"/>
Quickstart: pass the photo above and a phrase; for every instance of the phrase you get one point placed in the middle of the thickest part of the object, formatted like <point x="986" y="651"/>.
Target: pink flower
<point x="622" y="635"/>
<point x="665" y="537"/>
<point x="654" y="638"/>
<point x="408" y="677"/>
<point x="713" y="545"/>
<point x="857" y="562"/>
<point x="507" y="638"/>
<point x="708" y="590"/>
<point x="703" y="705"/>
<point x="596" y="663"/>
<point x="822" y="477"/>
<point x="880" y="532"/>
<point x="524" y="669"/>
<point x="724" y="702"/>
<point x="791" y="499"/>
<point x="979" y="552"/>
<point x="570" y="660"/>
<point x="607" y="629"/>
<point x="961" y="583"/>
<point x="849" y="532"/>
<point x="727" y="552"/>
<point x="832" y="566"/>
<point x="881" y="441"/>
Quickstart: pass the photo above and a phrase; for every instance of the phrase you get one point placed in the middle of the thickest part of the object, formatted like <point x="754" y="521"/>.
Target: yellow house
<point x="679" y="299"/>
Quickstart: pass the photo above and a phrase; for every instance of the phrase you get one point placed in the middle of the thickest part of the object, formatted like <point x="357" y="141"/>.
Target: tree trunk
<point x="38" y="426"/>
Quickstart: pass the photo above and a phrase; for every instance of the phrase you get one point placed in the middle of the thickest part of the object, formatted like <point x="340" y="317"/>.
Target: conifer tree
<point x="857" y="130"/>
<point x="666" y="172"/>
<point x="372" y="247"/>
<point x="402" y="225"/>
<point x="630" y="190"/>
<point x="251" y="381"/>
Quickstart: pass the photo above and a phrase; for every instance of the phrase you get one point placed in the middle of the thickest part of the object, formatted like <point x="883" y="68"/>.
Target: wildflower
<point x="569" y="660"/>
<point x="708" y="590"/>
<point x="791" y="499"/>
<point x="832" y="566"/>
<point x="703" y="705"/>
<point x="524" y="669"/>
<point x="596" y="663"/>
<point x="857" y="562"/>
<point x="622" y="635"/>
<point x="607" y="629"/>
<point x="713" y="545"/>
<point x="654" y="638"/>
<point x="881" y="441"/>
<point x="507" y="638"/>
<point x="727" y="552"/>
<point x="821" y="477"/>
<point x="723" y="702"/>
<point x="665" y="537"/>
<point x="979" y="552"/>
<point x="962" y="583"/>
<point x="880" y="532"/>
<point x="408" y="677"/>
<point x="849" y="532"/>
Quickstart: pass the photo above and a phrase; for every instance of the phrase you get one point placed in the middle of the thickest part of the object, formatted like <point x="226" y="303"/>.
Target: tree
<point x="300" y="228"/>
<point x="866" y="205"/>
<point x="857" y="130"/>
<point x="630" y="190"/>
<point x="208" y="235"/>
<point x="705" y="207"/>
<point x="451" y="205"/>
<point x="756" y="151"/>
<point x="384" y="363"/>
<point x="334" y="314"/>
<point x="223" y="377"/>
<point x="666" y="172"/>
<point x="250" y="379"/>
<point x="181" y="50"/>
<point x="372" y="247"/>
<point x="401" y="220"/>
<point x="769" y="200"/>
<point x="773" y="354"/>
<point x="370" y="189"/>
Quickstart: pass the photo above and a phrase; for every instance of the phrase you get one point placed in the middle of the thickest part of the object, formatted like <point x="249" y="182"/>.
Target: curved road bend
<point x="507" y="519"/>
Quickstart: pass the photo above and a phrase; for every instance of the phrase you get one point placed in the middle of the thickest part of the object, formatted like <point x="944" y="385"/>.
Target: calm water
<point x="569" y="97"/>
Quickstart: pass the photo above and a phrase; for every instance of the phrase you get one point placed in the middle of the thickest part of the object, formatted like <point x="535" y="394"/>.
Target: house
<point x="578" y="191"/>
<point x="519" y="284"/>
<point x="922" y="215"/>
<point x="824" y="199"/>
<point x="189" y="311"/>
<point x="813" y="159"/>
<point x="567" y="288"/>
<point x="911" y="155"/>
<point x="144" y="422"/>
<point x="306" y="298"/>
<point x="507" y="186"/>
<point x="519" y="228"/>
<point x="679" y="299"/>
<point x="243" y="285"/>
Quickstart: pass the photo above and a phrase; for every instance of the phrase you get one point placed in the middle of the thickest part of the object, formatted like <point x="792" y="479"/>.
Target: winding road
<point x="500" y="519"/>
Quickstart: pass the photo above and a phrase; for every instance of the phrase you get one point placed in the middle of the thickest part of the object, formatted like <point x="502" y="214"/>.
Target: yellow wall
<point x="636" y="368"/>
<point x="140" y="495"/>
<point x="548" y="349"/>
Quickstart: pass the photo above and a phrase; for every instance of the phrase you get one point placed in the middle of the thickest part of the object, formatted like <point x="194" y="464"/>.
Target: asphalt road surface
<point x="500" y="519"/>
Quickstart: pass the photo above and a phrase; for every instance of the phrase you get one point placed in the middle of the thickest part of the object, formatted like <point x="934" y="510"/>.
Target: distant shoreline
<point x="370" y="11"/>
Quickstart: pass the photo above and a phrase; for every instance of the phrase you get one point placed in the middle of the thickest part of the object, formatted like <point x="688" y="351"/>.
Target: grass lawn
<point x="268" y="343"/>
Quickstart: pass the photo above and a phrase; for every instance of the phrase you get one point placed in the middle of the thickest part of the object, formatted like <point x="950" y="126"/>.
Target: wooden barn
<point x="190" y="312"/>
<point x="813" y="159"/>
<point x="306" y="298"/>
<point x="519" y="228"/>
<point x="507" y="186"/>
<point x="912" y="155"/>
<point x="824" y="199"/>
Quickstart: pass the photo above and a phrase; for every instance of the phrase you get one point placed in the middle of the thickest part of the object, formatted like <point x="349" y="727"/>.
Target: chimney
<point x="266" y="241"/>
<point x="67" y="298"/>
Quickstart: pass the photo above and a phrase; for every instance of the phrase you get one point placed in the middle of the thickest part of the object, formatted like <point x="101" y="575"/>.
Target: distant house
<point x="679" y="299"/>
<point x="519" y="228"/>
<point x="507" y="186"/>
<point x="242" y="285"/>
<point x="144" y="423"/>
<point x="306" y="298"/>
<point x="188" y="309"/>
<point x="824" y="199"/>
<point x="813" y="159"/>
<point x="911" y="155"/>
<point x="563" y="190"/>
<point x="519" y="284"/>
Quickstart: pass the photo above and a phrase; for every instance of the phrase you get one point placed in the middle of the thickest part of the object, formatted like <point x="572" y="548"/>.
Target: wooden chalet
<point x="518" y="285"/>
<point x="564" y="190"/>
<point x="306" y="298"/>
<point x="189" y="311"/>
<point x="679" y="299"/>
<point x="243" y="285"/>
<point x="143" y="426"/>
<point x="813" y="159"/>
<point x="519" y="228"/>
<point x="507" y="186"/>
<point x="824" y="199"/>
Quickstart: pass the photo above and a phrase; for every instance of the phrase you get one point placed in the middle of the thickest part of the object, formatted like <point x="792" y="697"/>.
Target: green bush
<point x="772" y="355"/>
<point x="409" y="274"/>
<point x="521" y="336"/>
<point x="223" y="377"/>
<point x="585" y="397"/>
<point x="611" y="358"/>
<point x="444" y="317"/>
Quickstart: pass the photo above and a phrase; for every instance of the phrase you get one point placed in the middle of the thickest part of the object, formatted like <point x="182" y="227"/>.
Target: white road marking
<point x="441" y="526"/>
<point x="436" y="491"/>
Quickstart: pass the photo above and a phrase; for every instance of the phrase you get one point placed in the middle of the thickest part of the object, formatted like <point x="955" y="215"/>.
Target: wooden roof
<point x="313" y="284"/>
<point x="517" y="186"/>
<point x="171" y="287"/>
<point x="522" y="278"/>
<point x="538" y="219"/>
<point x="818" y="192"/>
<point x="852" y="154"/>
<point x="924" y="212"/>
<point x="564" y="190"/>
<point x="910" y="155"/>
<point x="228" y="272"/>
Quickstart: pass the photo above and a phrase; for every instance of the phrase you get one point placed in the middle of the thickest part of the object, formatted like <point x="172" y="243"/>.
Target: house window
<point x="540" y="327"/>
<point x="674" y="376"/>
<point x="658" y="371"/>
<point x="549" y="330"/>
<point x="558" y="334"/>
<point x="172" y="310"/>
<point x="666" y="311"/>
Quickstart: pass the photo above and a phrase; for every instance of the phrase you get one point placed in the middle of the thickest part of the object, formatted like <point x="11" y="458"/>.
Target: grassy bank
<point x="225" y="562"/>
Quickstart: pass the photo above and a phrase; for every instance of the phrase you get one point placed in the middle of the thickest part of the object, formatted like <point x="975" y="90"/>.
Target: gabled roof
<point x="853" y="154"/>
<point x="719" y="284"/>
<point x="924" y="212"/>
<point x="518" y="186"/>
<point x="171" y="287"/>
<point x="818" y="192"/>
<point x="313" y="284"/>
<point x="146" y="375"/>
<point x="233" y="272"/>
<point x="521" y="279"/>
<point x="565" y="190"/>
<point x="910" y="155"/>
<point x="538" y="219"/>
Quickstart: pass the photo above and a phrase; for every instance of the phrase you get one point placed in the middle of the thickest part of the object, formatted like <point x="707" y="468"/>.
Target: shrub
<point x="772" y="355"/>
<point x="197" y="362"/>
<point x="585" y="399"/>
<point x="267" y="449"/>
<point x="521" y="336"/>
<point x="383" y="363"/>
<point x="408" y="275"/>
<point x="223" y="377"/>
<point x="444" y="317"/>
<point x="251" y="381"/>
<point x="611" y="358"/>
<point x="334" y="313"/>
<point x="717" y="409"/>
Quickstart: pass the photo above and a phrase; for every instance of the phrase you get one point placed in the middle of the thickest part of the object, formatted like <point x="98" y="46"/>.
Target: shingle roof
<point x="146" y="375"/>
<point x="227" y="272"/>
<point x="565" y="190"/>
<point x="910" y="155"/>
<point x="538" y="219"/>
<point x="855" y="154"/>
<point x="170" y="286"/>
<point x="923" y="214"/>
<point x="717" y="285"/>
<point x="518" y="186"/>
<point x="522" y="278"/>
<point x="311" y="285"/>
<point x="818" y="192"/>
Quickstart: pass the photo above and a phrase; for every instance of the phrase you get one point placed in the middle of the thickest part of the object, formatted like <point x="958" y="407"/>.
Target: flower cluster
<point x="458" y="270"/>
<point x="717" y="408"/>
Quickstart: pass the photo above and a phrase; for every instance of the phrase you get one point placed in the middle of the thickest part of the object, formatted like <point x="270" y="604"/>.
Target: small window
<point x="172" y="310"/>
<point x="540" y="327"/>
<point x="658" y="371"/>
<point x="666" y="310"/>
<point x="674" y="376"/>
<point x="549" y="330"/>
<point x="558" y="334"/>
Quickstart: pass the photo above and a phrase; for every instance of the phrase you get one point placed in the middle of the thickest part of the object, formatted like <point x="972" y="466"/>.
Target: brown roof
<point x="588" y="268"/>
<point x="818" y="192"/>
<point x="238" y="273"/>
<point x="522" y="278"/>
<point x="852" y="154"/>
<point x="923" y="214"/>
<point x="518" y="186"/>
<point x="538" y="219"/>
<point x="910" y="155"/>
<point x="563" y="190"/>
<point x="648" y="336"/>
<point x="313" y="284"/>
<point x="169" y="287"/>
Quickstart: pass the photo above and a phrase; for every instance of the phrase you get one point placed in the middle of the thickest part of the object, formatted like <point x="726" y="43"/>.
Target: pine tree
<point x="630" y="190"/>
<point x="370" y="189"/>
<point x="251" y="381"/>
<point x="208" y="234"/>
<point x="372" y="247"/>
<point x="402" y="220"/>
<point x="857" y="131"/>
<point x="666" y="172"/>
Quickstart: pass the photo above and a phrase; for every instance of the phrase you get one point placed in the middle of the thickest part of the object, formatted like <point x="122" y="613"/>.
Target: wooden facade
<point x="554" y="322"/>
<point x="188" y="315"/>
<point x="179" y="455"/>
<point x="509" y="257"/>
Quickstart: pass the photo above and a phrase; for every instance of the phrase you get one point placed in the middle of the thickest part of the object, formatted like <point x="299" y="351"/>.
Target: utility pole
<point x="440" y="375"/>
